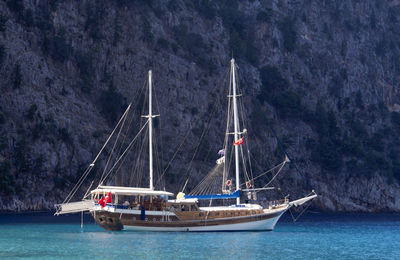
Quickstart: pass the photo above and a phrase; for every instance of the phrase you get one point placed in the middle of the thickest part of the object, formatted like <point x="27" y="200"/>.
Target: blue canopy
<point x="234" y="195"/>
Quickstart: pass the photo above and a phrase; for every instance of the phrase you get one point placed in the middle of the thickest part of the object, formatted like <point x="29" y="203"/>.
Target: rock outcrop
<point x="322" y="74"/>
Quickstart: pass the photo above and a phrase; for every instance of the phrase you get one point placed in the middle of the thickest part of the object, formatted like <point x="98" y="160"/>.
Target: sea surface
<point x="314" y="236"/>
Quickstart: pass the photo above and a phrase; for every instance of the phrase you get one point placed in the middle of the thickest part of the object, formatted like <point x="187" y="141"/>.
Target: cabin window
<point x="216" y="213"/>
<point x="201" y="214"/>
<point x="175" y="208"/>
<point x="193" y="208"/>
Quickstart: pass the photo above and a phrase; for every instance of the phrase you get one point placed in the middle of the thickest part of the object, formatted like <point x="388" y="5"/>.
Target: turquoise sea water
<point x="315" y="236"/>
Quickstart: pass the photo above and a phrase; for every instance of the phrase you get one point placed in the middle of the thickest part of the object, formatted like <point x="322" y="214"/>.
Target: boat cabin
<point x="132" y="198"/>
<point x="187" y="205"/>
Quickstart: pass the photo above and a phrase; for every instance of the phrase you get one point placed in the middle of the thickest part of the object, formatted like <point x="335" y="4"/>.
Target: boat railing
<point x="155" y="205"/>
<point x="277" y="203"/>
<point x="113" y="205"/>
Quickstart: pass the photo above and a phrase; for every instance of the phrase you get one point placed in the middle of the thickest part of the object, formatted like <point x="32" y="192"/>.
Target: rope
<point x="206" y="129"/>
<point x="281" y="145"/>
<point x="89" y="168"/>
<point x="285" y="152"/>
<point x="275" y="175"/>
<point x="112" y="150"/>
<point x="264" y="173"/>
<point x="304" y="210"/>
<point x="177" y="150"/>
<point x="130" y="144"/>
<point x="159" y="160"/>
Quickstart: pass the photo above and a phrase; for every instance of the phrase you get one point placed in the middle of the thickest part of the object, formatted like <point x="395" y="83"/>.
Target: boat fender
<point x="248" y="184"/>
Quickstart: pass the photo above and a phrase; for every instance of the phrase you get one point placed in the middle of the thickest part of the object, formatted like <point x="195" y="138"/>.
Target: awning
<point x="130" y="191"/>
<point x="234" y="195"/>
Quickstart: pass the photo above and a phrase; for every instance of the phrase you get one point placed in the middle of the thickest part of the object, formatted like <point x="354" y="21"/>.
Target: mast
<point x="236" y="127"/>
<point x="150" y="135"/>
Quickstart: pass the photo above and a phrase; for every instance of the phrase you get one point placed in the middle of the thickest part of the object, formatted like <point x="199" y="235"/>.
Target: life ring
<point x="228" y="183"/>
<point x="248" y="184"/>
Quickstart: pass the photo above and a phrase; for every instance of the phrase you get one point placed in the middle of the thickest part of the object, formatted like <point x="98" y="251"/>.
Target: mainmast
<point x="150" y="116"/>
<point x="150" y="135"/>
<point x="236" y="127"/>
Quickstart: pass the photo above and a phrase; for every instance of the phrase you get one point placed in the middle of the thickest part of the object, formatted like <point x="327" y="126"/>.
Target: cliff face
<point x="324" y="73"/>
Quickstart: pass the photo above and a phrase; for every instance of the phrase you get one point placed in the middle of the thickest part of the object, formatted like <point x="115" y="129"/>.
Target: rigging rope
<point x="283" y="148"/>
<point x="273" y="178"/>
<point x="112" y="150"/>
<point x="206" y="129"/>
<point x="89" y="168"/>
<point x="130" y="144"/>
<point x="302" y="212"/>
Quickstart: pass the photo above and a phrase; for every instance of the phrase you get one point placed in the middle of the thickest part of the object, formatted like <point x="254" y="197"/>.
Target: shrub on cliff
<point x="205" y="8"/>
<point x="17" y="76"/>
<point x="2" y="53"/>
<point x="64" y="135"/>
<point x="264" y="16"/>
<point x="241" y="33"/>
<point x="272" y="81"/>
<point x="112" y="104"/>
<point x="61" y="49"/>
<point x="162" y="43"/>
<point x="3" y="20"/>
<point x="148" y="36"/>
<point x="289" y="34"/>
<point x="288" y="104"/>
<point x="95" y="12"/>
<point x="17" y="6"/>
<point x="193" y="44"/>
<point x="328" y="154"/>
<point x="7" y="184"/>
<point x="84" y="62"/>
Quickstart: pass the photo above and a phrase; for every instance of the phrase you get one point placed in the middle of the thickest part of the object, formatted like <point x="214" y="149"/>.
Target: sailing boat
<point x="147" y="209"/>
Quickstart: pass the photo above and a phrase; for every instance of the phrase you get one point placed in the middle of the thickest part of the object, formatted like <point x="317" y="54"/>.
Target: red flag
<point x="107" y="199"/>
<point x="239" y="141"/>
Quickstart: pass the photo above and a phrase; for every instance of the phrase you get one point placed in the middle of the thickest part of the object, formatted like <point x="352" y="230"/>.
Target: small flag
<point x="107" y="199"/>
<point x="221" y="152"/>
<point x="239" y="142"/>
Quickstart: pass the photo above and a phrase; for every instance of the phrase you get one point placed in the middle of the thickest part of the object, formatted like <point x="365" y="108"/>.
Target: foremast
<point x="236" y="127"/>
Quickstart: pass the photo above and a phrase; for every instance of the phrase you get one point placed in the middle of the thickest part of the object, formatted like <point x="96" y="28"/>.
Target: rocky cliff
<point x="322" y="73"/>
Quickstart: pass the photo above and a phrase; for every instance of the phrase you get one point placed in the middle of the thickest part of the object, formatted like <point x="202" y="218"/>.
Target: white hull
<point x="261" y="225"/>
